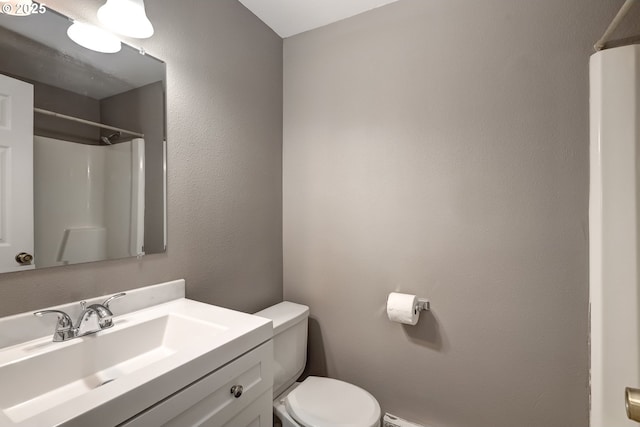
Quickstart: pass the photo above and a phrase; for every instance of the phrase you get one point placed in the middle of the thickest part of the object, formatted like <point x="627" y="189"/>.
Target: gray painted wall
<point x="65" y="102"/>
<point x="441" y="148"/>
<point x="225" y="135"/>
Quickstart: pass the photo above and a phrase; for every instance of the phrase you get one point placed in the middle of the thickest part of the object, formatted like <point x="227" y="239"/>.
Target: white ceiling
<point x="291" y="17"/>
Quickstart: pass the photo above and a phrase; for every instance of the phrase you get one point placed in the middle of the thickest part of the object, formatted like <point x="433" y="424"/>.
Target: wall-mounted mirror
<point x="82" y="147"/>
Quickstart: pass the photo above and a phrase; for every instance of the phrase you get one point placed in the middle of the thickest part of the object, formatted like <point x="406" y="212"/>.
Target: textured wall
<point x="224" y="101"/>
<point x="441" y="148"/>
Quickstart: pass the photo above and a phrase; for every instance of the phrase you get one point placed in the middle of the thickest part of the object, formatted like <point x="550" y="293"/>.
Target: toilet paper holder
<point x="422" y="305"/>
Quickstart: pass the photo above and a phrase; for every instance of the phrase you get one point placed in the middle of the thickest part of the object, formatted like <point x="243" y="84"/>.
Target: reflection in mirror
<point x="82" y="148"/>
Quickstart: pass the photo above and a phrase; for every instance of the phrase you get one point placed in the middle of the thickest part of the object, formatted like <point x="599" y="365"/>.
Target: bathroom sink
<point x="65" y="372"/>
<point x="106" y="378"/>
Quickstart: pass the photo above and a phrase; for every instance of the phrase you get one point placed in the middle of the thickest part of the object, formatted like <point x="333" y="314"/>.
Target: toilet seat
<point x="326" y="402"/>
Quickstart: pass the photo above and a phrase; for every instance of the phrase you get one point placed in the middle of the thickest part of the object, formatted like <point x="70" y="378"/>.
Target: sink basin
<point x="95" y="360"/>
<point x="108" y="377"/>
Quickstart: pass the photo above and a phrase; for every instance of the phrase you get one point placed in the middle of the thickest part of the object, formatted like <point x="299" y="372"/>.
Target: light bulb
<point x="126" y="17"/>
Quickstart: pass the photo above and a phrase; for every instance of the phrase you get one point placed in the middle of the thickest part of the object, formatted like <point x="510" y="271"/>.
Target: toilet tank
<point x="290" y="322"/>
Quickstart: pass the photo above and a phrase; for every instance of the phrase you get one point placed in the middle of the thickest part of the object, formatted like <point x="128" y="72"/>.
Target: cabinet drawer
<point x="208" y="401"/>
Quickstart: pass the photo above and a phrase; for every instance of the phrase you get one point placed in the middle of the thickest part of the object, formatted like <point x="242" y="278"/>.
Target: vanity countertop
<point x="108" y="377"/>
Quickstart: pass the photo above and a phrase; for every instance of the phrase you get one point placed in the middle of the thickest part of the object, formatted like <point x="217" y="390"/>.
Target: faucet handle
<point x="110" y="299"/>
<point x="64" y="321"/>
<point x="64" y="327"/>
<point x="105" y="316"/>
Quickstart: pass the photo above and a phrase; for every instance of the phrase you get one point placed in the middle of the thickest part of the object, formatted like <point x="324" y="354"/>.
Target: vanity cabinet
<point x="209" y="402"/>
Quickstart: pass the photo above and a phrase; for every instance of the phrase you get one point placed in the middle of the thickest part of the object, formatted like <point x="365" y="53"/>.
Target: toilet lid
<point x="325" y="402"/>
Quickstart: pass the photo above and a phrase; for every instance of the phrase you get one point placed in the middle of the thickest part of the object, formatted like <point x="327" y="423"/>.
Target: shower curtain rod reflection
<point x="87" y="122"/>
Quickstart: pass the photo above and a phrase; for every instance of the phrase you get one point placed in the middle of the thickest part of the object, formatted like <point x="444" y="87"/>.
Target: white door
<point x="16" y="174"/>
<point x="614" y="233"/>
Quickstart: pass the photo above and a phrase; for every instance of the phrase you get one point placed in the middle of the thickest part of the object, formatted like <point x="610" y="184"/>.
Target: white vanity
<point x="166" y="361"/>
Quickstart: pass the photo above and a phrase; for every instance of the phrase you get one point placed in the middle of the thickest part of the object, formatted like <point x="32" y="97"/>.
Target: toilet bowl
<point x="316" y="401"/>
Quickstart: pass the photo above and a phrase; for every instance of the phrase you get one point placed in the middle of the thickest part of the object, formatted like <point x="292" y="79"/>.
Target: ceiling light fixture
<point x="126" y="17"/>
<point x="16" y="7"/>
<point x="93" y="38"/>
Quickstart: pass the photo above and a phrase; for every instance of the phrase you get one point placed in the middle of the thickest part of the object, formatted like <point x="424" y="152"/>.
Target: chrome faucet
<point x="92" y="319"/>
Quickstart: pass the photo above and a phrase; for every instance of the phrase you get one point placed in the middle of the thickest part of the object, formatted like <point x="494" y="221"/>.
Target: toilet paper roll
<point x="402" y="308"/>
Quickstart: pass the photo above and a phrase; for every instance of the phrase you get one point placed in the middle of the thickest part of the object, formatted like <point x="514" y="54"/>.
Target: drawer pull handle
<point x="237" y="390"/>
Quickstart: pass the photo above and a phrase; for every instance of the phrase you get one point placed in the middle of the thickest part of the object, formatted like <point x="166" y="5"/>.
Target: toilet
<point x="316" y="401"/>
